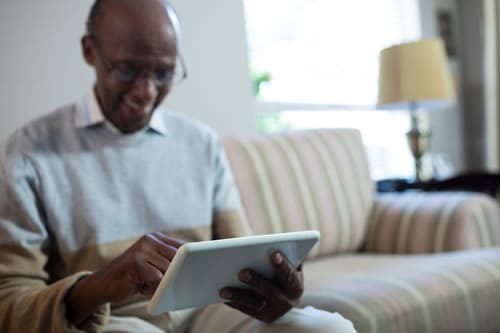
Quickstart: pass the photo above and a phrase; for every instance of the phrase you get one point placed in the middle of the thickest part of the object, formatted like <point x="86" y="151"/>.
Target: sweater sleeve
<point x="29" y="300"/>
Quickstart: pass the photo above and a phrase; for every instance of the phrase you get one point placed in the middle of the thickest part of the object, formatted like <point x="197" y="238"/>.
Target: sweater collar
<point x="89" y="113"/>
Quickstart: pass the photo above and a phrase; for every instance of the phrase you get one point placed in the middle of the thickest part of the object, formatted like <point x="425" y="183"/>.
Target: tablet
<point x="200" y="269"/>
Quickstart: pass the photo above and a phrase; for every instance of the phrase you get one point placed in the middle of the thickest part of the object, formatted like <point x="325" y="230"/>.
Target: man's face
<point x="132" y="65"/>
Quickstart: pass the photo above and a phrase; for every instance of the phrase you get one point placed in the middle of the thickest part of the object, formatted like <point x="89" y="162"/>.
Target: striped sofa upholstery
<point x="406" y="262"/>
<point x="414" y="222"/>
<point x="455" y="292"/>
<point x="305" y="180"/>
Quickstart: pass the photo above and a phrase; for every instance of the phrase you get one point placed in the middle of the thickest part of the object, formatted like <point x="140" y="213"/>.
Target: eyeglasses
<point x="162" y="77"/>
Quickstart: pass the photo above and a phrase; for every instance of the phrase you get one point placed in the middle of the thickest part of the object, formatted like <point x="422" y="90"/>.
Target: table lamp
<point x="415" y="76"/>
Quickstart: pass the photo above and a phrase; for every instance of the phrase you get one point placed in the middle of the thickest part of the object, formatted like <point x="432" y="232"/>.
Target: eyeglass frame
<point x="120" y="76"/>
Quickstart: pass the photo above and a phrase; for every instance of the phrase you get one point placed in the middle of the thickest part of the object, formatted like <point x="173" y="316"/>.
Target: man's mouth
<point x="136" y="108"/>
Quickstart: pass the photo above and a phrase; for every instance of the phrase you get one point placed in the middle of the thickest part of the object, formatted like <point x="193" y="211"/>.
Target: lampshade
<point x="415" y="73"/>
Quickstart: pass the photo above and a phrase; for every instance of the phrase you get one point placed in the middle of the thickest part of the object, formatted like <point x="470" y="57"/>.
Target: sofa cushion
<point x="426" y="222"/>
<point x="305" y="180"/>
<point x="452" y="292"/>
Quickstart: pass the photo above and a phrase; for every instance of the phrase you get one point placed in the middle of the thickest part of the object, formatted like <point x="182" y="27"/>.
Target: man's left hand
<point x="267" y="300"/>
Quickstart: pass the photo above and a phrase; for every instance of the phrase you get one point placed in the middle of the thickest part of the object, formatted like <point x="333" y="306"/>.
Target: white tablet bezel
<point x="200" y="269"/>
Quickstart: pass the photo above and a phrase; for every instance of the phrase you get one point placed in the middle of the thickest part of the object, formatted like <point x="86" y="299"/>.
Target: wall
<point x="40" y="59"/>
<point x="446" y="125"/>
<point x="473" y="82"/>
<point x="42" y="67"/>
<point x="219" y="88"/>
<point x="478" y="79"/>
<point x="491" y="24"/>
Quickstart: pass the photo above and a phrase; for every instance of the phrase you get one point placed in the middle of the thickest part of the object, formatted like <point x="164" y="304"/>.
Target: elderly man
<point x="96" y="198"/>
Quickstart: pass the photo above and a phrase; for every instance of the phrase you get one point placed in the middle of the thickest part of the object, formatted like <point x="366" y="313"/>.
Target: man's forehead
<point x="136" y="22"/>
<point x="149" y="15"/>
<point x="133" y="4"/>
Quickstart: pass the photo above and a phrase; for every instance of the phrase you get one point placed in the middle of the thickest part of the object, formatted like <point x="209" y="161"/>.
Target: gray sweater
<point x="74" y="193"/>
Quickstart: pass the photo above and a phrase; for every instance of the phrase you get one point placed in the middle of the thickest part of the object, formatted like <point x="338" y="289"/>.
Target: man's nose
<point x="144" y="88"/>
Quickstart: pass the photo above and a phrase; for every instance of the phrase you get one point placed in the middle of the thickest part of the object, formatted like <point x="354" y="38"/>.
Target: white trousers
<point x="219" y="318"/>
<point x="223" y="319"/>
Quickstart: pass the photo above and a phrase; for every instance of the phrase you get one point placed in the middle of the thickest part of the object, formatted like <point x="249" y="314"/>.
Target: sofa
<point x="394" y="262"/>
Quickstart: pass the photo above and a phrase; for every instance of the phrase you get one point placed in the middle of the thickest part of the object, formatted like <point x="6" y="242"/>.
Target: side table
<point x="484" y="182"/>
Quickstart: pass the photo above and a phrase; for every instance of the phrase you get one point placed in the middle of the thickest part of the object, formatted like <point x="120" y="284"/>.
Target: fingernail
<point x="224" y="293"/>
<point x="277" y="258"/>
<point x="245" y="276"/>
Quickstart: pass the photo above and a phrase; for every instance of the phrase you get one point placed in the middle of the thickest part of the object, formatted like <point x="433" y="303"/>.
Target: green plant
<point x="258" y="80"/>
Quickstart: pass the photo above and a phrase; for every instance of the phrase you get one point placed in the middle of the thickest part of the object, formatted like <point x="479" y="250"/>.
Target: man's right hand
<point x="136" y="271"/>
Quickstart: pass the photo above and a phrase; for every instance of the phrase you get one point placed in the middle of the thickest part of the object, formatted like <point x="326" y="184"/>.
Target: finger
<point x="262" y="286"/>
<point x="148" y="288"/>
<point x="244" y="297"/>
<point x="290" y="279"/>
<point x="177" y="243"/>
<point x="159" y="262"/>
<point x="164" y="249"/>
<point x="149" y="279"/>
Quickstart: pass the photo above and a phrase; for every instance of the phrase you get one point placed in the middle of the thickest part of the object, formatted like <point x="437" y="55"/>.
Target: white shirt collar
<point x="89" y="113"/>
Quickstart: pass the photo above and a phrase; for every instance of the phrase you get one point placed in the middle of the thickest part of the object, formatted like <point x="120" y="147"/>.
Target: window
<point x="315" y="64"/>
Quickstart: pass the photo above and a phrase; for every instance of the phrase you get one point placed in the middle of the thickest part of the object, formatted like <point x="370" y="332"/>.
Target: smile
<point x="137" y="108"/>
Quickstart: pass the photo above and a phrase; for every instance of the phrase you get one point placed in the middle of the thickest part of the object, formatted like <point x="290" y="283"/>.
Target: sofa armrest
<point x="418" y="222"/>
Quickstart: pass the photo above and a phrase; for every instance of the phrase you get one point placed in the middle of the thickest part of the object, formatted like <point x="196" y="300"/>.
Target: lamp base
<point x="418" y="141"/>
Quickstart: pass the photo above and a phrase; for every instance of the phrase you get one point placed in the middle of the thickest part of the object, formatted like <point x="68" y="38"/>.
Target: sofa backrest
<point x="298" y="180"/>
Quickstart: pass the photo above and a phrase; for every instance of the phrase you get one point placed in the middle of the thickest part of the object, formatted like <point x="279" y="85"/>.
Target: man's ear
<point x="88" y="50"/>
